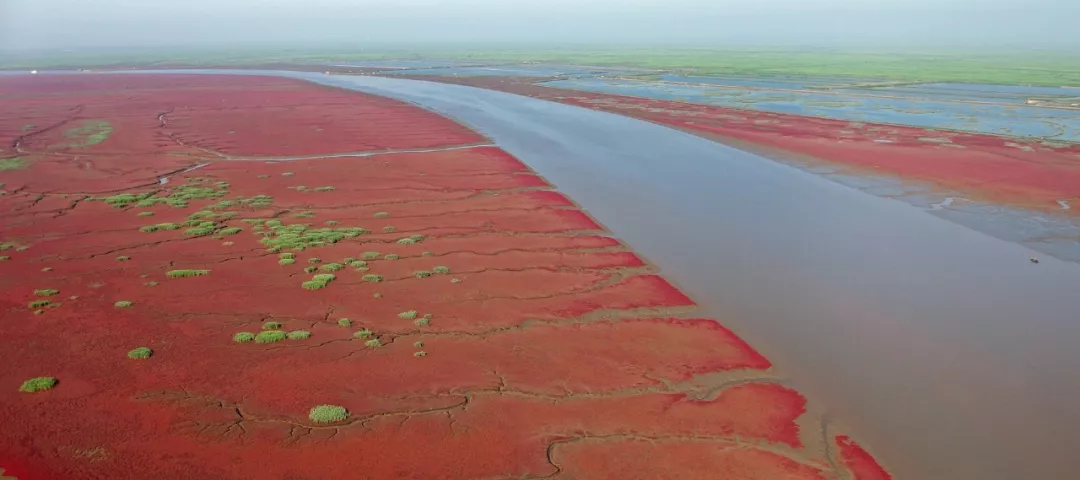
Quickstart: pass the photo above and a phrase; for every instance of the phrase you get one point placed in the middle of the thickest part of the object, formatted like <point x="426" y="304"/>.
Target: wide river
<point x="944" y="349"/>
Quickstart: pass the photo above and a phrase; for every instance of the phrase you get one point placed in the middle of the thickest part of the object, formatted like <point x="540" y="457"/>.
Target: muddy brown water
<point x="943" y="349"/>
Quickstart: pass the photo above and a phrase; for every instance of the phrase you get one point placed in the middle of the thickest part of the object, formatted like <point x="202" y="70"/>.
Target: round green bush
<point x="328" y="414"/>
<point x="140" y="353"/>
<point x="37" y="384"/>
<point x="243" y="337"/>
<point x="298" y="335"/>
<point x="270" y="336"/>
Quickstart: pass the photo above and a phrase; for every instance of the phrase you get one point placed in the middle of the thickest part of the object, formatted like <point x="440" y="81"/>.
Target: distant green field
<point x="1019" y="67"/>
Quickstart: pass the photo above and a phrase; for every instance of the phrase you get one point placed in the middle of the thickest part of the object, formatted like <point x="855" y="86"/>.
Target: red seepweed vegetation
<point x="549" y="349"/>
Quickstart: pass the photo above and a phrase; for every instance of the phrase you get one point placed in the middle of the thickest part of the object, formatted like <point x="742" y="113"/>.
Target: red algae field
<point x="1027" y="173"/>
<point x="233" y="277"/>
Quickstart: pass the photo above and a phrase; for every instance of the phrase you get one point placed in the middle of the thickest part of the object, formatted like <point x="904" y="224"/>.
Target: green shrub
<point x="230" y="231"/>
<point x="332" y="267"/>
<point x="145" y="214"/>
<point x="168" y="226"/>
<point x="314" y="260"/>
<point x="46" y="292"/>
<point x="222" y="205"/>
<point x="270" y="336"/>
<point x="373" y="343"/>
<point x="382" y="214"/>
<point x="124" y="199"/>
<point x="39" y="304"/>
<point x="123" y="304"/>
<point x="411" y="240"/>
<point x="140" y="353"/>
<point x="301" y="236"/>
<point x="123" y="258"/>
<point x="311" y="269"/>
<point x="392" y="257"/>
<point x="272" y="326"/>
<point x="319" y="281"/>
<point x="243" y="337"/>
<point x="148" y="228"/>
<point x="422" y="274"/>
<point x="199" y="231"/>
<point x="328" y="414"/>
<point x="287" y="256"/>
<point x="4" y="258"/>
<point x="441" y="270"/>
<point x="202" y="214"/>
<point x="422" y="322"/>
<point x="373" y="278"/>
<point x="186" y="273"/>
<point x="344" y="322"/>
<point x="409" y="315"/>
<point x="324" y="189"/>
<point x="418" y="344"/>
<point x="286" y="261"/>
<point x="370" y="255"/>
<point x="37" y="384"/>
<point x="298" y="335"/>
<point x="358" y="264"/>
<point x="389" y="229"/>
<point x="420" y="354"/>
<point x="365" y="333"/>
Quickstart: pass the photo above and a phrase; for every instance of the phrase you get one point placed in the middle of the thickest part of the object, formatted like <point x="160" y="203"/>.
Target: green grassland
<point x="1010" y="66"/>
<point x="1015" y="67"/>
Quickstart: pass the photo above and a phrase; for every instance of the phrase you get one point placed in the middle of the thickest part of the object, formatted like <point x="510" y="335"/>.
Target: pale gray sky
<point x="34" y="24"/>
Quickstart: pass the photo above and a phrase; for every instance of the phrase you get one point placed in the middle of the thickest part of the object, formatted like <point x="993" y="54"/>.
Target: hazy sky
<point x="93" y="23"/>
